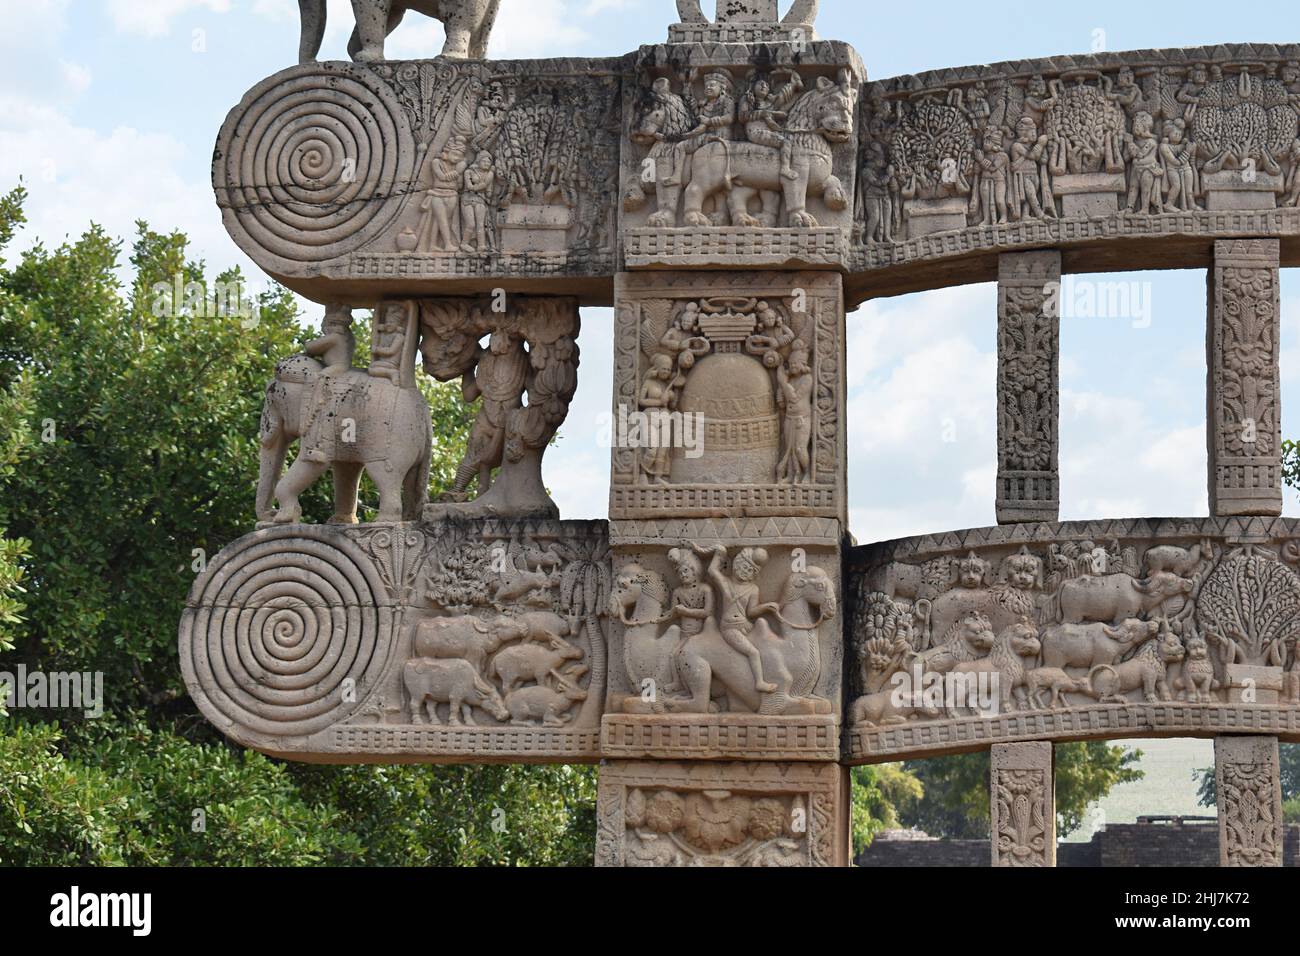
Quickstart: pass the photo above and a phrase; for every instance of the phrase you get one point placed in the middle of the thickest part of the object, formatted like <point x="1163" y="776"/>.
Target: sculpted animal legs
<point x="296" y="480"/>
<point x="313" y="29"/>
<point x="389" y="482"/>
<point x="375" y="20"/>
<point x="275" y="444"/>
<point x="347" y="477"/>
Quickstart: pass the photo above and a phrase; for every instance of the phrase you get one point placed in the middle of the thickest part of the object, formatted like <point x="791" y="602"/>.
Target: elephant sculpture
<point x="349" y="420"/>
<point x="467" y="22"/>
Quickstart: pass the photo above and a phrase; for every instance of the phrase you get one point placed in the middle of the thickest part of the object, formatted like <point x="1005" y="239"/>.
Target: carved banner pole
<point x="1022" y="804"/>
<point x="1249" y="789"/>
<point x="1244" y="417"/>
<point x="1029" y="336"/>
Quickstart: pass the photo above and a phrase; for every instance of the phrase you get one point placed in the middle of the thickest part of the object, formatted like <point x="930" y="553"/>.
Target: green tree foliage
<point x="1289" y="769"/>
<point x="128" y="442"/>
<point x="956" y="801"/>
<point x="881" y="792"/>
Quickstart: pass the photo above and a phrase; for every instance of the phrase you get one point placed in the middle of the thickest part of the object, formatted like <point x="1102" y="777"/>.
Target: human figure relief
<point x="474" y="204"/>
<point x="1026" y="171"/>
<point x="691" y="603"/>
<point x="1178" y="156"/>
<point x="499" y="376"/>
<point x="994" y="168"/>
<point x="335" y="348"/>
<point x="389" y="338"/>
<point x="658" y="393"/>
<point x="440" y="210"/>
<point x="1145" y="179"/>
<point x="763" y="113"/>
<point x="795" y="386"/>
<point x="715" y="115"/>
<point x="741" y="603"/>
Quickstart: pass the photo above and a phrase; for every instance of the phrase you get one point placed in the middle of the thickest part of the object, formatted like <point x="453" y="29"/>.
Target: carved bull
<point x="1113" y="598"/>
<point x="465" y="637"/>
<point x="1088" y="645"/>
<point x="452" y="682"/>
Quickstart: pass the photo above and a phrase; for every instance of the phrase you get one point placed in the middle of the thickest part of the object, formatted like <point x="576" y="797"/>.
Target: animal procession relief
<point x="1153" y="613"/>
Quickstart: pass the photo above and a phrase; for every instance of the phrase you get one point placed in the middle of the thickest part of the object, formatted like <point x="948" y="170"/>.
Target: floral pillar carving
<point x="1029" y="333"/>
<point x="1249" y="788"/>
<point x="1022" y="803"/>
<point x="1243" y="416"/>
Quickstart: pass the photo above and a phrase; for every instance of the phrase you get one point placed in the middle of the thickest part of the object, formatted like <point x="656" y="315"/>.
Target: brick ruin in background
<point x="720" y="645"/>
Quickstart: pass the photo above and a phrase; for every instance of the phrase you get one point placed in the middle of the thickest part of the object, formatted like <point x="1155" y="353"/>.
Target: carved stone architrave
<point x="740" y="154"/>
<point x="664" y="814"/>
<point x="355" y="644"/>
<point x="1022" y="803"/>
<point x="728" y="390"/>
<point x="1242" y="357"/>
<point x="1029" y="334"/>
<point x="1249" y="791"/>
<point x="345" y="180"/>
<point x="680" y="685"/>
<point x="1088" y="630"/>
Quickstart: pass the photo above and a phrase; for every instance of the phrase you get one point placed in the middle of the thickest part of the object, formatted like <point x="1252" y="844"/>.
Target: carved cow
<point x="466" y="637"/>
<point x="1113" y="598"/>
<point x="452" y="682"/>
<point x="1088" y="645"/>
<point x="532" y="662"/>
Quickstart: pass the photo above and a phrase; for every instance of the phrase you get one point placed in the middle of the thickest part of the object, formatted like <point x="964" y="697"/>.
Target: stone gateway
<point x="720" y="645"/>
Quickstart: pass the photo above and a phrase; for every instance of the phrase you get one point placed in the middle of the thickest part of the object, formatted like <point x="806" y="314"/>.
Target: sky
<point x="109" y="110"/>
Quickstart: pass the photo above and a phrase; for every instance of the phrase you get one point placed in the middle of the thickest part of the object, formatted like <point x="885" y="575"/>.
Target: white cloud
<point x="153" y="18"/>
<point x="76" y="76"/>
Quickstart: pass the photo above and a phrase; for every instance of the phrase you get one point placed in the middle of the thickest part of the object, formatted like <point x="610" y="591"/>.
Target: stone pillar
<point x="1249" y="788"/>
<point x="1022" y="804"/>
<point x="1029" y="335"/>
<point x="1243" y="417"/>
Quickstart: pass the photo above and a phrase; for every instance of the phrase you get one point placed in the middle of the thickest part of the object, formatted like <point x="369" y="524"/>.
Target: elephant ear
<point x="802" y="11"/>
<point x="690" y="12"/>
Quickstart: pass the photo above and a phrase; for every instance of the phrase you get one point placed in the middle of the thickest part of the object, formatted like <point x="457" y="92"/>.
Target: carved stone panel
<point x="727" y="395"/>
<point x="725" y="640"/>
<point x="1029" y="334"/>
<point x="1083" y="630"/>
<point x="1244" y="417"/>
<point x="721" y="814"/>
<point x="1249" y="791"/>
<point x="335" y="176"/>
<point x="1022" y="804"/>
<point x="478" y="641"/>
<point x="740" y="155"/>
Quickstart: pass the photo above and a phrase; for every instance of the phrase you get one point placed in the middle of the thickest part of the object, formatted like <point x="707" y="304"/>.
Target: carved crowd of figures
<point x="1080" y="622"/>
<point x="1015" y="148"/>
<point x="541" y="148"/>
<point x="726" y="152"/>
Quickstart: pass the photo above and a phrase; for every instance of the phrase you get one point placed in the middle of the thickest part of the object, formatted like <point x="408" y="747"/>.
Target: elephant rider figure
<point x="334" y="349"/>
<point x="715" y="116"/>
<point x="500" y="377"/>
<point x="762" y="112"/>
<point x="692" y="602"/>
<point x="741" y="605"/>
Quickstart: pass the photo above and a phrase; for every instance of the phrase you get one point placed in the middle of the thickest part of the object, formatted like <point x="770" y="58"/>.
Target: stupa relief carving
<point x="727" y="394"/>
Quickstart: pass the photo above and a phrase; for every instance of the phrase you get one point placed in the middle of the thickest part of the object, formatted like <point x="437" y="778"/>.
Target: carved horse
<point x="709" y="667"/>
